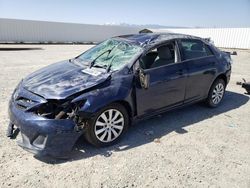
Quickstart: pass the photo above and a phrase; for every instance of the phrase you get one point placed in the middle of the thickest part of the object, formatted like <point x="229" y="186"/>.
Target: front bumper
<point x="43" y="136"/>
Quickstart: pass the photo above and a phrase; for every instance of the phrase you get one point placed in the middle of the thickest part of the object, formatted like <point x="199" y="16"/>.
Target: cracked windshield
<point x="111" y="54"/>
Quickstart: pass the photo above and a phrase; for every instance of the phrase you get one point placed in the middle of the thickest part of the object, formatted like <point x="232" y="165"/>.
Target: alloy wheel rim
<point x="218" y="93"/>
<point x="109" y="125"/>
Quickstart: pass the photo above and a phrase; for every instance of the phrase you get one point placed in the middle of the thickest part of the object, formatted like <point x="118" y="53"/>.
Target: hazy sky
<point x="202" y="13"/>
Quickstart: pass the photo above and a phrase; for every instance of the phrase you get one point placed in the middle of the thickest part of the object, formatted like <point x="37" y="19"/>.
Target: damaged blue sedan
<point x="102" y="91"/>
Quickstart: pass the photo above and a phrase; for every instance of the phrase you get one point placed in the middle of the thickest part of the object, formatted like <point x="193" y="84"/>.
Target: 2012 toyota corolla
<point x="99" y="93"/>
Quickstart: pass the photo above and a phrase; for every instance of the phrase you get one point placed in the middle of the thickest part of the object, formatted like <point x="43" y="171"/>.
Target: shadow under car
<point x="147" y="131"/>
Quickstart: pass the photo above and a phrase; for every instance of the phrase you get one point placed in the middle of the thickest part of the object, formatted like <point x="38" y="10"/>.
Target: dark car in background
<point x="102" y="91"/>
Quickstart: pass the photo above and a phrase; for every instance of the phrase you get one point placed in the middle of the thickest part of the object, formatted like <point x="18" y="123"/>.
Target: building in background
<point x="26" y="31"/>
<point x="222" y="37"/>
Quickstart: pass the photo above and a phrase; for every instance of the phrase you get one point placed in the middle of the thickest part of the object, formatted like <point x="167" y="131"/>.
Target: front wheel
<point x="216" y="93"/>
<point x="107" y="126"/>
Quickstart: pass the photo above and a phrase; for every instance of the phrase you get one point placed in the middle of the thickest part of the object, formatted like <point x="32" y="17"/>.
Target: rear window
<point x="194" y="49"/>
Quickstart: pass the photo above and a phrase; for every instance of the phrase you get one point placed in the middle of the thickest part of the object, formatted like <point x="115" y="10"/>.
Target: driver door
<point x="166" y="77"/>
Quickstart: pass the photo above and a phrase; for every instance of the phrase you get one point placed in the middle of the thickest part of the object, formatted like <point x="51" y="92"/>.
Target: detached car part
<point x="245" y="85"/>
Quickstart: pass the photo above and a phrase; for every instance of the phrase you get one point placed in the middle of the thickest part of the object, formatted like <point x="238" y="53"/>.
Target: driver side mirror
<point x="144" y="79"/>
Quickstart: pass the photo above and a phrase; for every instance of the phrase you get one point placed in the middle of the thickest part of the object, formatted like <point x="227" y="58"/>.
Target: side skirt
<point x="164" y="110"/>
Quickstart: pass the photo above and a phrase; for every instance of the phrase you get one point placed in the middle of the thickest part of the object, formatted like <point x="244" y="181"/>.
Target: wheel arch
<point x="220" y="76"/>
<point x="126" y="105"/>
<point x="223" y="77"/>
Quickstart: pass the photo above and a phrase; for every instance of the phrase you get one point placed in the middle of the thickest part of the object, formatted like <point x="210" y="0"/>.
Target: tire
<point x="102" y="130"/>
<point x="216" y="93"/>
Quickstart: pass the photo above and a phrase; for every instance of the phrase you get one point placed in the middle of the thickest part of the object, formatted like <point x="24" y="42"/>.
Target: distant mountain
<point x="152" y="26"/>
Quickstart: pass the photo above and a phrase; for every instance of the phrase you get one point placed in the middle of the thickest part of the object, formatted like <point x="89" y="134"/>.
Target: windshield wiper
<point x="92" y="63"/>
<point x="110" y="65"/>
<point x="100" y="66"/>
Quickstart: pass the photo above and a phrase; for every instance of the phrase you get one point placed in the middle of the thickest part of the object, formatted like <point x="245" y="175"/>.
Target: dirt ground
<point x="191" y="147"/>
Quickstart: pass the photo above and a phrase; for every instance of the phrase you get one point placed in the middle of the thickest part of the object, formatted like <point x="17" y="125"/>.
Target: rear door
<point x="201" y="67"/>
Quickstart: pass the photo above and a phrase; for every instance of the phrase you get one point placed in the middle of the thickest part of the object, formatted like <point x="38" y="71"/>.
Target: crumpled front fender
<point x="99" y="98"/>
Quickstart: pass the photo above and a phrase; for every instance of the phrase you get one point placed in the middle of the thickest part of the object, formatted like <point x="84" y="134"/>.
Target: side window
<point x="208" y="50"/>
<point x="159" y="56"/>
<point x="194" y="49"/>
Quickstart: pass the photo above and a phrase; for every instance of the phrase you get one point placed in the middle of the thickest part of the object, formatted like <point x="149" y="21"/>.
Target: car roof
<point x="147" y="40"/>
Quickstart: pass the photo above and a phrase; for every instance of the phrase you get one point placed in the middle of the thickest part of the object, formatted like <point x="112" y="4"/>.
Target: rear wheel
<point x="107" y="126"/>
<point x="216" y="93"/>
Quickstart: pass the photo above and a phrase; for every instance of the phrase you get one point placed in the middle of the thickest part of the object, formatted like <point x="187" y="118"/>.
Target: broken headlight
<point x="54" y="109"/>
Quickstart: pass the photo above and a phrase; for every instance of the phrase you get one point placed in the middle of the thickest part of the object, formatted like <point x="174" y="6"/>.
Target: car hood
<point x="63" y="79"/>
